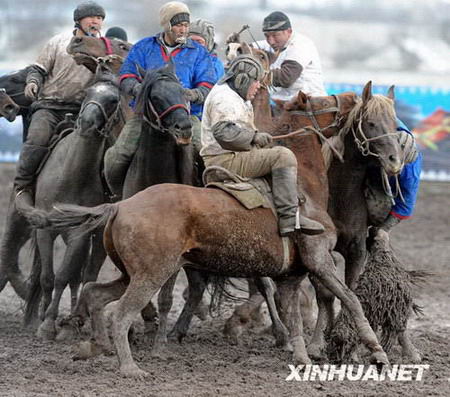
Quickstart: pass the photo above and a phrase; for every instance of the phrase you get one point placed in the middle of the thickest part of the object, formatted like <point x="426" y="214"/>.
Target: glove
<point x="31" y="90"/>
<point x="262" y="139"/>
<point x="191" y="95"/>
<point x="233" y="38"/>
<point x="389" y="223"/>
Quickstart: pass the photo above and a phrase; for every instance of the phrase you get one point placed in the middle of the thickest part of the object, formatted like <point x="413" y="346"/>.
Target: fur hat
<point x="276" y="21"/>
<point x="88" y="9"/>
<point x="172" y="13"/>
<point x="205" y="29"/>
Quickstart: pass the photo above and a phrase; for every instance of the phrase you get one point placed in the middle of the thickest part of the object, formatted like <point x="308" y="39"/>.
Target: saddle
<point x="250" y="192"/>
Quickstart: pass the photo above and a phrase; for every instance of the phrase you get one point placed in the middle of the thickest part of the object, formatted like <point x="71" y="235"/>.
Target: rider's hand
<point x="262" y="139"/>
<point x="191" y="95"/>
<point x="233" y="38"/>
<point x="31" y="90"/>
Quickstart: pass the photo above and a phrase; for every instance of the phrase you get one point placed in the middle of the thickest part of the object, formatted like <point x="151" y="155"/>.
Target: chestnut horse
<point x="151" y="235"/>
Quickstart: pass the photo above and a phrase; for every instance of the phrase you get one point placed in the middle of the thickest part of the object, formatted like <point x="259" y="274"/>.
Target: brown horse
<point x="88" y="50"/>
<point x="209" y="228"/>
<point x="8" y="108"/>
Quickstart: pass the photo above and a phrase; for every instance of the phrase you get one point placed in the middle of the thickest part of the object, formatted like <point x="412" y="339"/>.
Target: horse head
<point x="163" y="104"/>
<point x="101" y="102"/>
<point x="374" y="128"/>
<point x="87" y="50"/>
<point x="235" y="49"/>
<point x="8" y="108"/>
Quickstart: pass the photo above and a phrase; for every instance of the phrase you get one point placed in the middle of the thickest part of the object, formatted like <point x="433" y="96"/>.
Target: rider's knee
<point x="285" y="157"/>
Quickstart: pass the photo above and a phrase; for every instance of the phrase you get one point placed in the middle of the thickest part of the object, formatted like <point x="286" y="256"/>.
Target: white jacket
<point x="223" y="104"/>
<point x="301" y="49"/>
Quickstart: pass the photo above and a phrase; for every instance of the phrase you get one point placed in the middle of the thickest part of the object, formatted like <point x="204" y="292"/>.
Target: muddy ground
<point x="207" y="364"/>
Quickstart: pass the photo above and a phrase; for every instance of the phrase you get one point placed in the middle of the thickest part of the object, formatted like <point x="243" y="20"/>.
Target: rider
<point x="409" y="180"/>
<point x="193" y="67"/>
<point x="56" y="84"/>
<point x="297" y="66"/>
<point x="230" y="140"/>
<point x="202" y="32"/>
<point x="116" y="32"/>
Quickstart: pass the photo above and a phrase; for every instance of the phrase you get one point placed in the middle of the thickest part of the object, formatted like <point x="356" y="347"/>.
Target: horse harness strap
<point x="108" y="45"/>
<point x="159" y="117"/>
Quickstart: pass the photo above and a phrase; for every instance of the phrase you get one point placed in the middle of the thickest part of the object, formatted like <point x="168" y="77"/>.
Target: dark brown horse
<point x="152" y="234"/>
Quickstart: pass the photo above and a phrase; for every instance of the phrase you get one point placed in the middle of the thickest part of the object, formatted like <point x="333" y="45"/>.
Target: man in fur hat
<point x="193" y="67"/>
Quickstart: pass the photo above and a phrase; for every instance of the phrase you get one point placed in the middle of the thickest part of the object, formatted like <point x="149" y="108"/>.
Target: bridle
<point x="115" y="116"/>
<point x="363" y="144"/>
<point x="156" y="120"/>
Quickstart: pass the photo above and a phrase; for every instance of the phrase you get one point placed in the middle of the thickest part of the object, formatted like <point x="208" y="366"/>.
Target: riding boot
<point x="30" y="159"/>
<point x="285" y="196"/>
<point x="119" y="156"/>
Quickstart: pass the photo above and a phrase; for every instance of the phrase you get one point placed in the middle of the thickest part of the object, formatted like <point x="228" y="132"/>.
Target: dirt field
<point x="206" y="364"/>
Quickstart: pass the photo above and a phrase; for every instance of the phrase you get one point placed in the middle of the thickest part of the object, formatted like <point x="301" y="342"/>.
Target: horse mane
<point x="150" y="77"/>
<point x="376" y="105"/>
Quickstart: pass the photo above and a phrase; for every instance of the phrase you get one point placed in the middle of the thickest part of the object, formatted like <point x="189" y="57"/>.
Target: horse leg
<point x="197" y="282"/>
<point x="69" y="272"/>
<point x="98" y="256"/>
<point x="92" y="301"/>
<point x="165" y="299"/>
<point x="318" y="260"/>
<point x="200" y="280"/>
<point x="17" y="232"/>
<point x="409" y="352"/>
<point x="355" y="260"/>
<point x="137" y="295"/>
<point x="244" y="313"/>
<point x="288" y="300"/>
<point x="45" y="243"/>
<point x="267" y="288"/>
<point x="325" y="317"/>
<point x="241" y="316"/>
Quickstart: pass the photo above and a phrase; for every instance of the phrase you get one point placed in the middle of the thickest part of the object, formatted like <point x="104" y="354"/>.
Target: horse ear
<point x="302" y="98"/>
<point x="246" y="49"/>
<point x="367" y="92"/>
<point x="390" y="93"/>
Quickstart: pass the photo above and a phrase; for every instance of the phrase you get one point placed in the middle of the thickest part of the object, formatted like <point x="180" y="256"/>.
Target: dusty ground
<point x="206" y="364"/>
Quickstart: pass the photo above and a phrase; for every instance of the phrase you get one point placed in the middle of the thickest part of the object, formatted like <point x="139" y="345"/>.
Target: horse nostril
<point x="392" y="158"/>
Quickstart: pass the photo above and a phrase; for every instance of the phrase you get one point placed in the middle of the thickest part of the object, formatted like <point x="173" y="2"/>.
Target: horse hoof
<point x="177" y="335"/>
<point x="301" y="359"/>
<point x="66" y="333"/>
<point x="201" y="312"/>
<point x="315" y="352"/>
<point x="380" y="359"/>
<point x="133" y="371"/>
<point x="46" y="331"/>
<point x="413" y="358"/>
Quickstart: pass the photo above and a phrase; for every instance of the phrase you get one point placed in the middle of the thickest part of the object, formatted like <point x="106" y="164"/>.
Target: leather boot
<point x="119" y="156"/>
<point x="284" y="188"/>
<point x="30" y="159"/>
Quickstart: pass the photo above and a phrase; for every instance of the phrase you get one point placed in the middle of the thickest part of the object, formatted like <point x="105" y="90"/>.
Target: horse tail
<point x="85" y="219"/>
<point x="34" y="295"/>
<point x="219" y="288"/>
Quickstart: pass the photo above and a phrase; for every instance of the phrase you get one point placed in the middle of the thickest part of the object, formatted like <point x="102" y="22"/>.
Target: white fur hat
<point x="171" y="9"/>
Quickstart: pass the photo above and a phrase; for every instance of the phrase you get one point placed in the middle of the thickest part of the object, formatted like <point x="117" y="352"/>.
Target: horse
<point x="72" y="174"/>
<point x="8" y="108"/>
<point x="87" y="51"/>
<point x="213" y="232"/>
<point x="14" y="85"/>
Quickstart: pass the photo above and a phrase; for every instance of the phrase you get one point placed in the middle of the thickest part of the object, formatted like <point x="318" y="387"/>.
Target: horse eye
<point x="371" y="124"/>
